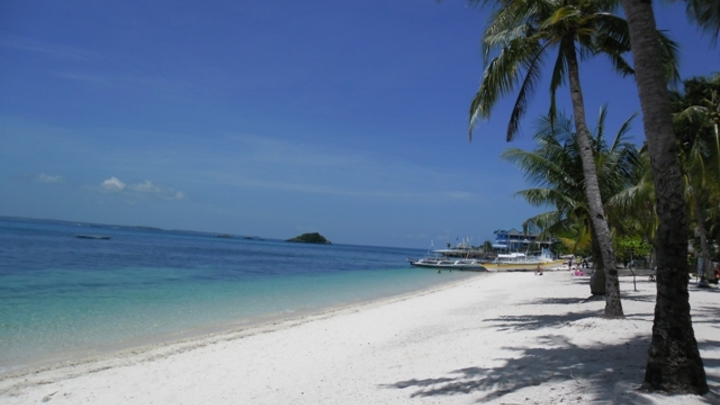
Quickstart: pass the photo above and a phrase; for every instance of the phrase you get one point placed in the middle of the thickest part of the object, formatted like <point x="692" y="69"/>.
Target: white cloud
<point x="46" y="178"/>
<point x="146" y="187"/>
<point x="113" y="185"/>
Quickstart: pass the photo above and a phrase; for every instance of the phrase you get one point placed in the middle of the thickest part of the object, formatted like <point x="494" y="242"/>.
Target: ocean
<point x="65" y="298"/>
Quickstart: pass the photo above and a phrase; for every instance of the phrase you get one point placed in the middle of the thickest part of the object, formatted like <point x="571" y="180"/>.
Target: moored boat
<point x="448" y="263"/>
<point x="85" y="236"/>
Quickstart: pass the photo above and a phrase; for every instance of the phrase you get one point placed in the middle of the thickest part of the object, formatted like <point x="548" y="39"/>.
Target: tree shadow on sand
<point x="712" y="378"/>
<point x="603" y="373"/>
<point x="633" y="296"/>
<point x="536" y="322"/>
<point x="695" y="289"/>
<point x="556" y="301"/>
<point x="705" y="314"/>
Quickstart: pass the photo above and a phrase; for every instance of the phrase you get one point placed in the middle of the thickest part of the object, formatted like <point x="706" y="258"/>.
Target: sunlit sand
<point x="508" y="338"/>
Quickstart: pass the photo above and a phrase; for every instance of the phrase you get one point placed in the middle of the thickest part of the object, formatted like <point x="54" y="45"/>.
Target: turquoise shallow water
<point x="63" y="297"/>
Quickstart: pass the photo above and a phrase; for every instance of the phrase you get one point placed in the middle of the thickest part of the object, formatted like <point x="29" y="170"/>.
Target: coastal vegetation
<point x="674" y="364"/>
<point x="696" y="113"/>
<point x="523" y="33"/>
<point x="312" y="237"/>
<point x="626" y="183"/>
<point x="555" y="166"/>
<point x="678" y="160"/>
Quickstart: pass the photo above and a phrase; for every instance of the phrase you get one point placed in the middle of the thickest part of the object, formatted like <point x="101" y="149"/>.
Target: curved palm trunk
<point x="674" y="363"/>
<point x="613" y="306"/>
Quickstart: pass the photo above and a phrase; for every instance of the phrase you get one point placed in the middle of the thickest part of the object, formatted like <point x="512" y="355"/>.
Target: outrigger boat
<point x="516" y="261"/>
<point x="448" y="263"/>
<point x="461" y="257"/>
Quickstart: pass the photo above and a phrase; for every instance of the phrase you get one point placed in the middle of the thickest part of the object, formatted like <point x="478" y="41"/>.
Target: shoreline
<point x="504" y="338"/>
<point x="162" y="345"/>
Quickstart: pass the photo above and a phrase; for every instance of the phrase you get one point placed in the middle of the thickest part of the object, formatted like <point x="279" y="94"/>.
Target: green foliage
<point x="634" y="206"/>
<point x="523" y="33"/>
<point x="631" y="247"/>
<point x="696" y="115"/>
<point x="487" y="246"/>
<point x="706" y="13"/>
<point x="555" y="166"/>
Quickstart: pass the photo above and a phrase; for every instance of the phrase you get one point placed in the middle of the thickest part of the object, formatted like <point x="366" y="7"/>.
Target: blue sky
<point x="272" y="118"/>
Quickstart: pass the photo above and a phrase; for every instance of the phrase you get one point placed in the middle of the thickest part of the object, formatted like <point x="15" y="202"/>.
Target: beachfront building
<point x="516" y="241"/>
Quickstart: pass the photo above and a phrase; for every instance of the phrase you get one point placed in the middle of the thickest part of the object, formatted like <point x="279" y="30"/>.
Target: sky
<point x="274" y="118"/>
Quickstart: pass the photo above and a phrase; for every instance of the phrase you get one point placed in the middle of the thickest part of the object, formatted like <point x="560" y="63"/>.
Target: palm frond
<point x="502" y="76"/>
<point x="670" y="57"/>
<point x="525" y="93"/>
<point x="559" y="15"/>
<point x="707" y="14"/>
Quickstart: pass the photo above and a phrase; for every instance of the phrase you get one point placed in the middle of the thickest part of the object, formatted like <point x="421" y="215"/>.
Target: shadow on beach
<point x="603" y="373"/>
<point x="713" y="380"/>
<point x="536" y="322"/>
<point x="597" y="373"/>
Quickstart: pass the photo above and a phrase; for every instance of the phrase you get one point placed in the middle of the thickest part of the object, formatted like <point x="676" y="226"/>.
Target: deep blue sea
<point x="63" y="297"/>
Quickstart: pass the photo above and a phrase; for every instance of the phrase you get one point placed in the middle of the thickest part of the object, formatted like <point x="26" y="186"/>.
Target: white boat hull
<point x="448" y="264"/>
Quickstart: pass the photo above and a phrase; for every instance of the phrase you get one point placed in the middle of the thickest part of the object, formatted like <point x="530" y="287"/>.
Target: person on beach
<point x="538" y="271"/>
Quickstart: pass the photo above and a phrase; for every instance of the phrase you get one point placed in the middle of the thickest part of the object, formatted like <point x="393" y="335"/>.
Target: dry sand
<point x="508" y="338"/>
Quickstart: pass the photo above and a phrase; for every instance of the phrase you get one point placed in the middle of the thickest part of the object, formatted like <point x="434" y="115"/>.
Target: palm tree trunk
<point x="597" y="280"/>
<point x="674" y="363"/>
<point x="613" y="306"/>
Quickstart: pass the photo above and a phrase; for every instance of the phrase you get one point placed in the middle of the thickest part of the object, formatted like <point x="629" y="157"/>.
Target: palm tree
<point x="524" y="31"/>
<point x="636" y="204"/>
<point x="695" y="119"/>
<point x="674" y="364"/>
<point x="556" y="167"/>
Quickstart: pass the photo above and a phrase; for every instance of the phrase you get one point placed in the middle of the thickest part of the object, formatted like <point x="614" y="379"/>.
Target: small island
<point x="312" y="237"/>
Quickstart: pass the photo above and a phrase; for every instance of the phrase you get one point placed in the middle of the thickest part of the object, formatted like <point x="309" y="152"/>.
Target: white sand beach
<point x="506" y="338"/>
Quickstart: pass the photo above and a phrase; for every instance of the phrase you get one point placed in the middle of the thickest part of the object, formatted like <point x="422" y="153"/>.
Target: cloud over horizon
<point x="47" y="178"/>
<point x="115" y="185"/>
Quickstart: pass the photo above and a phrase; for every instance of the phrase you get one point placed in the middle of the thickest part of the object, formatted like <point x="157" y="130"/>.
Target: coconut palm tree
<point x="695" y="119"/>
<point x="674" y="364"/>
<point x="556" y="167"/>
<point x="636" y="204"/>
<point x="524" y="32"/>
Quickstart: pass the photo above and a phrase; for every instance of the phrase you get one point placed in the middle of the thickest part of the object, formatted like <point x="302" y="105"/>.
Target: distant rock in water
<point x="313" y="237"/>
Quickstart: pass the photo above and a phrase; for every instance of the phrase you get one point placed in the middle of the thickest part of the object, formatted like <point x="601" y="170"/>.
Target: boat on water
<point x="513" y="261"/>
<point x="448" y="263"/>
<point x="522" y="261"/>
<point x="85" y="236"/>
<point x="461" y="257"/>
